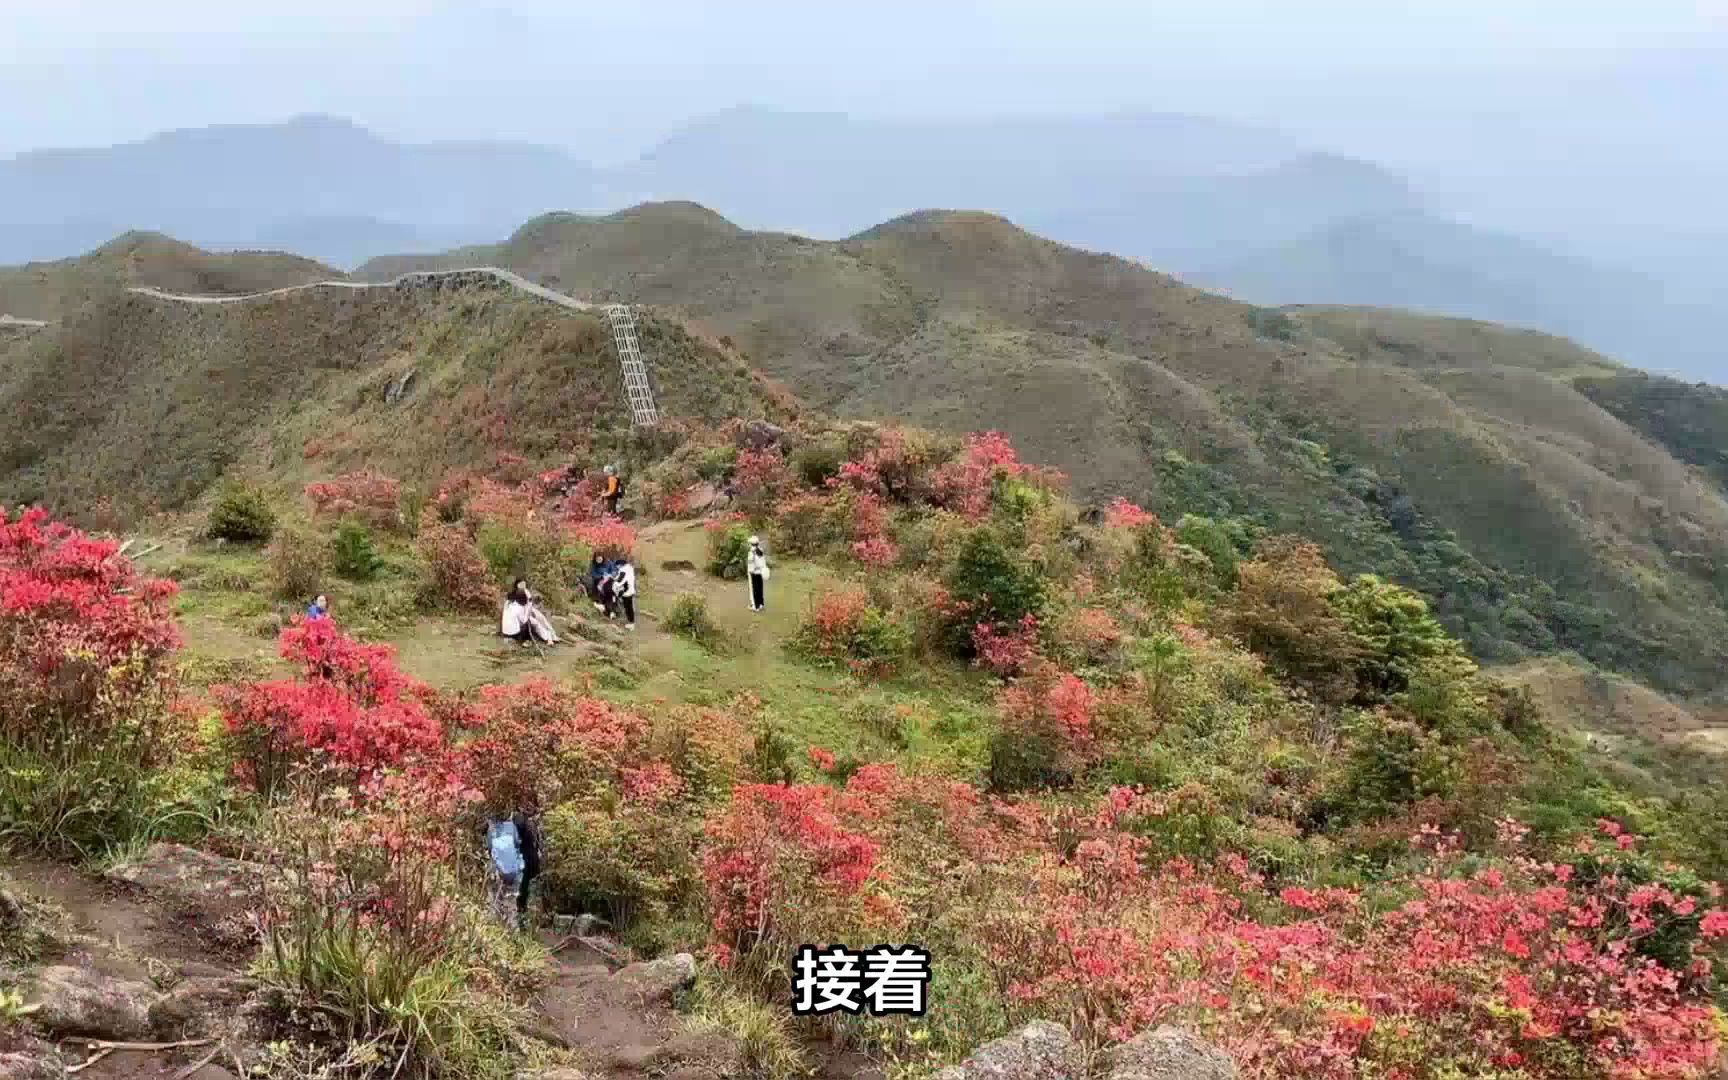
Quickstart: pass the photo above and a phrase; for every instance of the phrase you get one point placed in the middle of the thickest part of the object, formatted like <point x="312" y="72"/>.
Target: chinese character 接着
<point x="885" y="980"/>
<point x="829" y="981"/>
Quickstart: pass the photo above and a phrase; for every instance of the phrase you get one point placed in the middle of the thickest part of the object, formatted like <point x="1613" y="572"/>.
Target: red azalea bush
<point x="457" y="577"/>
<point x="1526" y="967"/>
<point x="87" y="685"/>
<point x="760" y="479"/>
<point x="1122" y="514"/>
<point x="608" y="536"/>
<point x="536" y="742"/>
<point x="352" y="714"/>
<point x="964" y="485"/>
<point x="841" y="627"/>
<point x="372" y="497"/>
<point x="1005" y="650"/>
<point x="1594" y="966"/>
<point x="781" y="866"/>
<point x="84" y="639"/>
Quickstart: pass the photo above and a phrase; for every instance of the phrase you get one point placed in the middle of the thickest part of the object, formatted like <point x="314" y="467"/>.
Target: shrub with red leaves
<point x="1122" y="514"/>
<point x="371" y="497"/>
<point x="760" y="478"/>
<point x="1007" y="650"/>
<point x="457" y="577"/>
<point x="608" y="536"/>
<point x="85" y="641"/>
<point x="352" y="714"/>
<point x="780" y="865"/>
<point x="536" y="743"/>
<point x="964" y="485"/>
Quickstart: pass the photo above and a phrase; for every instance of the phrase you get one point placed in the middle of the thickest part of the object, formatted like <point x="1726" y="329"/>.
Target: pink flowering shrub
<point x="607" y="536"/>
<point x="964" y="485"/>
<point x="372" y="497"/>
<point x="840" y="627"/>
<point x="1122" y="514"/>
<point x="1007" y="650"/>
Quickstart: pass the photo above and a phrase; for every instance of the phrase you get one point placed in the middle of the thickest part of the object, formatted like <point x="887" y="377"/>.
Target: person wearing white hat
<point x="757" y="564"/>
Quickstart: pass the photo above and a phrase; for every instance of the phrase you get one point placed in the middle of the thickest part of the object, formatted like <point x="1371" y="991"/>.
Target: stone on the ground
<point x="78" y="1001"/>
<point x="199" y="883"/>
<point x="656" y="981"/>
<point x="1039" y="1051"/>
<point x="1170" y="1053"/>
<point x="197" y="1007"/>
<point x="36" y="1063"/>
<point x="554" y="1072"/>
<point x="760" y="435"/>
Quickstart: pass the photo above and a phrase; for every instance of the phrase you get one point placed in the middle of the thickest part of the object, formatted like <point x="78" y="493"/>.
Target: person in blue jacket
<point x="320" y="608"/>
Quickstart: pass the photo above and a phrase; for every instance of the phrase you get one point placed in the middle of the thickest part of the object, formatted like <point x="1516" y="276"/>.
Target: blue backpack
<point x="506" y="848"/>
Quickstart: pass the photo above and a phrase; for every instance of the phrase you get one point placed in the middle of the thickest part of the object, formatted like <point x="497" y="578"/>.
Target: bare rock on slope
<point x="77" y="1001"/>
<point x="196" y="882"/>
<point x="655" y="981"/>
<point x="1170" y="1053"/>
<point x="1039" y="1051"/>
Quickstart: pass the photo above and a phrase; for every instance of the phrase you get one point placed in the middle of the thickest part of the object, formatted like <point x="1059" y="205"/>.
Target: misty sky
<point x="1461" y="93"/>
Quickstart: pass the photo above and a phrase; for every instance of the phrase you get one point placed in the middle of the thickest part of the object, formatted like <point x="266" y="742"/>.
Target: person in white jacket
<point x="757" y="565"/>
<point x="624" y="588"/>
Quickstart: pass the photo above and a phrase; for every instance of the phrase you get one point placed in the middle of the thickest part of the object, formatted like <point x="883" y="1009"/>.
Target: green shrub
<point x="689" y="619"/>
<point x="532" y="552"/>
<point x="352" y="554"/>
<point x="630" y="863"/>
<point x="298" y="560"/>
<point x="716" y="463"/>
<point x="242" y="515"/>
<point x="997" y="584"/>
<point x="817" y="463"/>
<point x="772" y="752"/>
<point x="729" y="552"/>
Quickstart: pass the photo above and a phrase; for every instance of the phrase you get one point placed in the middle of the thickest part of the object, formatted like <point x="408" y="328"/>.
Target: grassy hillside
<point x="144" y="403"/>
<point x="49" y="290"/>
<point x="1454" y="456"/>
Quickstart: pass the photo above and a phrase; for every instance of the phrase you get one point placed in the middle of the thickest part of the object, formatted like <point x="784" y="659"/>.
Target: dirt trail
<point x="125" y="937"/>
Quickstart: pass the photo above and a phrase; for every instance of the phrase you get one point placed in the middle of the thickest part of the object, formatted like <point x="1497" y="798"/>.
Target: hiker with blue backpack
<point x="515" y="864"/>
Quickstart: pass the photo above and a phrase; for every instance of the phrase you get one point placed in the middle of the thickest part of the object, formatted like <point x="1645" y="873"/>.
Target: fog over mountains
<point x="1236" y="207"/>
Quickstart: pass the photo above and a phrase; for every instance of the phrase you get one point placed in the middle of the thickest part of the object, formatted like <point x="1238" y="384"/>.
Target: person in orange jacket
<point x="613" y="491"/>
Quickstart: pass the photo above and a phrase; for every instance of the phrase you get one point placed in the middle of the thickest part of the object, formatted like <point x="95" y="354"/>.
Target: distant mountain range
<point x="1234" y="207"/>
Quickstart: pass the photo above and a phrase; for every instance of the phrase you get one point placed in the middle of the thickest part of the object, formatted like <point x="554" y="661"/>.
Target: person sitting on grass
<point x="600" y="586"/>
<point x="523" y="621"/>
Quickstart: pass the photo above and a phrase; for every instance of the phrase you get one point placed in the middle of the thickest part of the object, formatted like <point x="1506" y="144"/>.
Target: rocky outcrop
<point x="198" y="1007"/>
<point x="194" y="882"/>
<point x="1169" y="1053"/>
<point x="654" y="982"/>
<point x="31" y="1062"/>
<point x="76" y="1001"/>
<point x="1039" y="1051"/>
<point x="760" y="435"/>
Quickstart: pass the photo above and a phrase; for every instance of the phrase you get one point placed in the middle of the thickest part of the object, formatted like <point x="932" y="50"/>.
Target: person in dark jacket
<point x="529" y="842"/>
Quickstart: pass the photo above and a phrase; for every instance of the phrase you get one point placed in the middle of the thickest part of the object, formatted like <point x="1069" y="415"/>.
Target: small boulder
<point x="210" y="887"/>
<point x="1170" y="1053"/>
<point x="37" y="1063"/>
<point x="655" y="981"/>
<point x="760" y="435"/>
<point x="678" y="566"/>
<point x="77" y="1001"/>
<point x="1039" y="1051"/>
<point x="197" y="1006"/>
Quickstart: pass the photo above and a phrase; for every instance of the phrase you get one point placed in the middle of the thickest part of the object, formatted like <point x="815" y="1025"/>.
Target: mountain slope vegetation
<point x="143" y="404"/>
<point x="51" y="290"/>
<point x="1453" y="456"/>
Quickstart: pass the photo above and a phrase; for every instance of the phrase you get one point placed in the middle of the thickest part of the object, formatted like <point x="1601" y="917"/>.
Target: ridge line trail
<point x="508" y="277"/>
